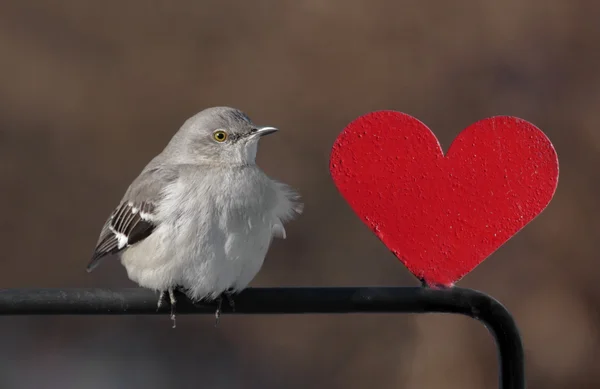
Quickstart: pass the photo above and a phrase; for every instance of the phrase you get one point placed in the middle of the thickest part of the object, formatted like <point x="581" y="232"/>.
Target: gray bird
<point x="201" y="215"/>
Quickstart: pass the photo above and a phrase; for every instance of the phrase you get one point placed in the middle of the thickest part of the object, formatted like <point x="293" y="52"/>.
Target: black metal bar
<point x="291" y="301"/>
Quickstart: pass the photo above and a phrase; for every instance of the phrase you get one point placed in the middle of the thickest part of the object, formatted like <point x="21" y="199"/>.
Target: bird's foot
<point x="229" y="295"/>
<point x="172" y="301"/>
<point x="173" y="306"/>
<point x="218" y="311"/>
<point x="161" y="300"/>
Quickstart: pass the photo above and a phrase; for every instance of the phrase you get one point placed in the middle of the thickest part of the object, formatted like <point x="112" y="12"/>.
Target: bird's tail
<point x="96" y="259"/>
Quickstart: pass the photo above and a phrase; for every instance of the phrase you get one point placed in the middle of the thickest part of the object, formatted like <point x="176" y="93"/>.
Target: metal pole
<point x="292" y="301"/>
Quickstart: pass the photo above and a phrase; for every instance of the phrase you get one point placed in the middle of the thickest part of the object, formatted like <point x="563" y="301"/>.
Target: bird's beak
<point x="262" y="131"/>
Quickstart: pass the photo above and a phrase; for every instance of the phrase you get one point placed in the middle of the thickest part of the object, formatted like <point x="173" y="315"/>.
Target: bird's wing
<point x="134" y="219"/>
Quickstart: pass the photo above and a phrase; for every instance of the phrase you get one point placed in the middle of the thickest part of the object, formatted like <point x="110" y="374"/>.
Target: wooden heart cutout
<point x="443" y="215"/>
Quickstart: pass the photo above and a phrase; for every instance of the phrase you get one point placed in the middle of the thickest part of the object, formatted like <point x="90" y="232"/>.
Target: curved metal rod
<point x="292" y="301"/>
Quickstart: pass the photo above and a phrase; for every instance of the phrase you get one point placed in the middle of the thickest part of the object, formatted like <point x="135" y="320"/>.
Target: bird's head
<point x="219" y="135"/>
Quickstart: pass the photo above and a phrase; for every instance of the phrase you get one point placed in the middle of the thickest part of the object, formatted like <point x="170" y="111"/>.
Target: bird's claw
<point x="218" y="311"/>
<point x="172" y="301"/>
<point x="229" y="295"/>
<point x="173" y="306"/>
<point x="161" y="300"/>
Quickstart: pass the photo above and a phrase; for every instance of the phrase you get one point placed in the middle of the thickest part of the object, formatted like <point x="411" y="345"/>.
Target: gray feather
<point x="209" y="213"/>
<point x="134" y="219"/>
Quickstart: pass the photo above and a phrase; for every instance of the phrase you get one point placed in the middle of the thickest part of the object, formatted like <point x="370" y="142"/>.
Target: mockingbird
<point x="201" y="215"/>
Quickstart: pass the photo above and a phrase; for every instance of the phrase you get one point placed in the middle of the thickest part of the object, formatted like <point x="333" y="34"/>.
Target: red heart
<point x="443" y="215"/>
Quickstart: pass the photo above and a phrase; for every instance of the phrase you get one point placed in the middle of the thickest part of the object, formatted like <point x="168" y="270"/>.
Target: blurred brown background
<point x="90" y="91"/>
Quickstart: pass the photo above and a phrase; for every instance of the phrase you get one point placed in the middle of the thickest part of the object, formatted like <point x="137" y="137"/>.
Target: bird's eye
<point x="220" y="136"/>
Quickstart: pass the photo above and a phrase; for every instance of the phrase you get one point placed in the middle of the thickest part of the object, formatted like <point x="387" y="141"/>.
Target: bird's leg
<point x="173" y="306"/>
<point x="161" y="299"/>
<point x="218" y="311"/>
<point x="229" y="294"/>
